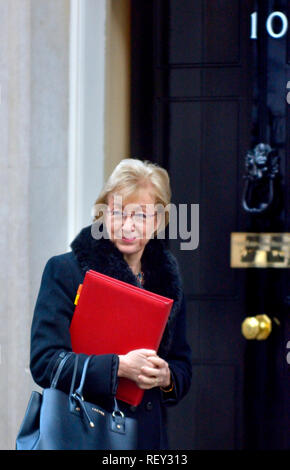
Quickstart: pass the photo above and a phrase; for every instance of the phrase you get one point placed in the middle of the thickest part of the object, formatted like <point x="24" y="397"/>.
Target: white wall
<point x="15" y="130"/>
<point x="87" y="110"/>
<point x="36" y="164"/>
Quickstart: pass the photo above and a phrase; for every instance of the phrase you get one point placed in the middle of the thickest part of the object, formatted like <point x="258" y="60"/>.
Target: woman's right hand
<point x="130" y="364"/>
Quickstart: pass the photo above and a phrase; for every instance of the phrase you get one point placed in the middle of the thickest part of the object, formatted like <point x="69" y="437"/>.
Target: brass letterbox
<point x="260" y="250"/>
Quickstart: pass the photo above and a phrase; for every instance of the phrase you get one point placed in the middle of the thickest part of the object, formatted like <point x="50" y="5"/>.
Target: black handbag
<point x="57" y="421"/>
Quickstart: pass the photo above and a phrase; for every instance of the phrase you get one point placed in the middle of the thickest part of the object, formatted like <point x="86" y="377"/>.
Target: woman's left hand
<point x="156" y="376"/>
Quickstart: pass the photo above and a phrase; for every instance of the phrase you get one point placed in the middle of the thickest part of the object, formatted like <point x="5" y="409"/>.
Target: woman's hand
<point x="144" y="367"/>
<point x="131" y="364"/>
<point x="157" y="374"/>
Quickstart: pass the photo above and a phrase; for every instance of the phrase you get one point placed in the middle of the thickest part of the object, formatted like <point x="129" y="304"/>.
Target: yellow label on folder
<point x="78" y="294"/>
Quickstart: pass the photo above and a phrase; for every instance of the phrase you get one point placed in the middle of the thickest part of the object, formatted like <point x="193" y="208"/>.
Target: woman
<point x="129" y="250"/>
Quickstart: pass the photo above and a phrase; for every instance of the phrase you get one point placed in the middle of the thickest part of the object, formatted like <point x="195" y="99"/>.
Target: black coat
<point x="54" y="310"/>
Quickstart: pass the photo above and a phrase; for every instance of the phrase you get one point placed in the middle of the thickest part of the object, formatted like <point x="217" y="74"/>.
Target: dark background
<point x="203" y="94"/>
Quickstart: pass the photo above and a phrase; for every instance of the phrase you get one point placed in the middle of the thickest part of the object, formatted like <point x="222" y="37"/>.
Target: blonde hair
<point x="132" y="174"/>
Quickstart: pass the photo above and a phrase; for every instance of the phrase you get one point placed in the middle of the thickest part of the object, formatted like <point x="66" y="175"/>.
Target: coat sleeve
<point x="50" y="335"/>
<point x="179" y="360"/>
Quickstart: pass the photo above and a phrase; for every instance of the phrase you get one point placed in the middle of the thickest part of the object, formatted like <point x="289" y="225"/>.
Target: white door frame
<point x="87" y="111"/>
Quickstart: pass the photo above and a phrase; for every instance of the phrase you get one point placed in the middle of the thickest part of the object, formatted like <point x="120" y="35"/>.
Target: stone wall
<point x="34" y="49"/>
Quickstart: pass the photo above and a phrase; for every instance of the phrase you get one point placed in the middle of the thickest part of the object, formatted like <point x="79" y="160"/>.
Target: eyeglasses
<point x="138" y="218"/>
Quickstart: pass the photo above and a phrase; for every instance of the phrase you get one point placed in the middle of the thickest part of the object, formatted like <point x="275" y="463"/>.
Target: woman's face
<point x="131" y="222"/>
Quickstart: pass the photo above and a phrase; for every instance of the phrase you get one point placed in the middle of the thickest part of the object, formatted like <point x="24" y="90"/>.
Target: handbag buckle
<point x="118" y="422"/>
<point x="82" y="407"/>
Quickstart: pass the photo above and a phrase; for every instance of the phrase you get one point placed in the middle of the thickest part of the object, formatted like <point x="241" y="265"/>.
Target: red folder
<point x="112" y="316"/>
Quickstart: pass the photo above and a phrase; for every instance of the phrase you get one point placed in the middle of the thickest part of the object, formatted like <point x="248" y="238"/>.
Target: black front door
<point x="209" y="83"/>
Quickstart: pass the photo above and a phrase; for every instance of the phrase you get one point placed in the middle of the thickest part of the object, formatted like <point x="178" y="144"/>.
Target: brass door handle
<point x="258" y="327"/>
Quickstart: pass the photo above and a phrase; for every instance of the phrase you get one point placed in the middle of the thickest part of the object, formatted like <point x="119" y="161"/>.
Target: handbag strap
<point x="73" y="380"/>
<point x="59" y="368"/>
<point x="78" y="392"/>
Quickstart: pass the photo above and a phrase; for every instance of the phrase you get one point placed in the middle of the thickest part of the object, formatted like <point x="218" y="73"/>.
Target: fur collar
<point x="158" y="264"/>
